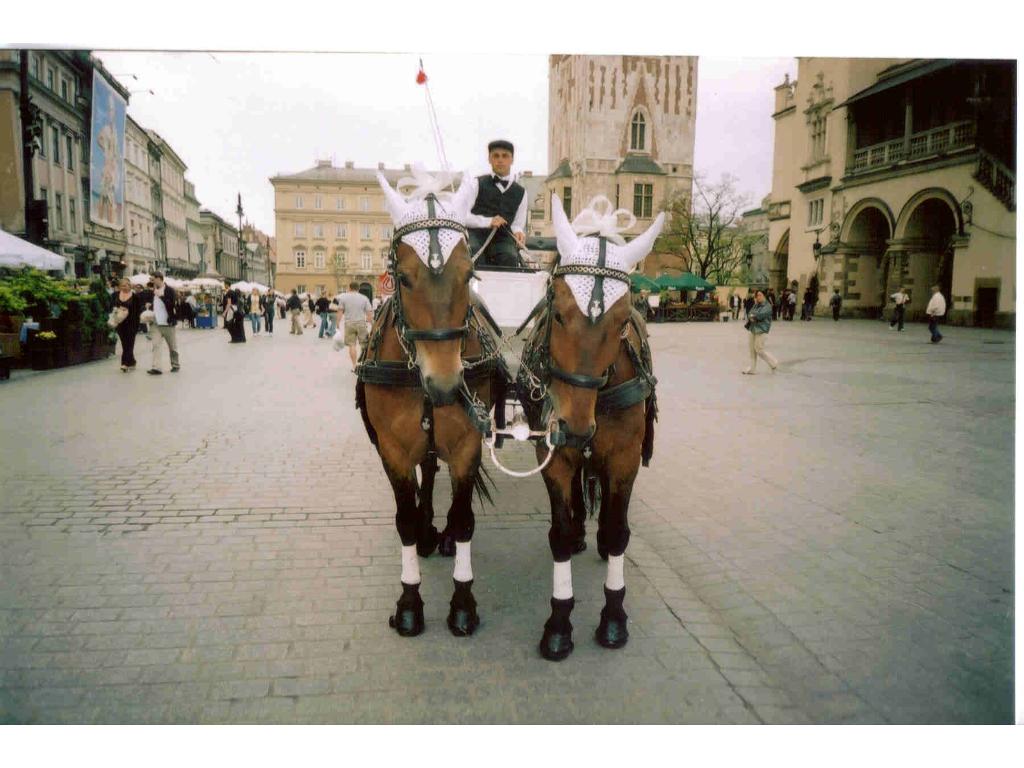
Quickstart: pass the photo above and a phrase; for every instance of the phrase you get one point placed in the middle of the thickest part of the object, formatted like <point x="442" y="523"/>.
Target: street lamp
<point x="241" y="245"/>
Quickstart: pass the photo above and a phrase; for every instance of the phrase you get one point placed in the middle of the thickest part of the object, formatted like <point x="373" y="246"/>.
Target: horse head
<point x="589" y="314"/>
<point x="432" y="270"/>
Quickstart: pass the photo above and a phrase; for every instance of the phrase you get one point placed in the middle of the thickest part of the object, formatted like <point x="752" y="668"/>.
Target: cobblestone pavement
<point x="831" y="543"/>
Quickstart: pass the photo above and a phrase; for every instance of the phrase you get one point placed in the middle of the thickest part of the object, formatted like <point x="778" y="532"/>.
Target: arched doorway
<point x="865" y="267"/>
<point x="780" y="265"/>
<point x="928" y="227"/>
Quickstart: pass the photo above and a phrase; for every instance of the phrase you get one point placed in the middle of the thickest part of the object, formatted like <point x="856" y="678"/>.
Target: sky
<point x="237" y="119"/>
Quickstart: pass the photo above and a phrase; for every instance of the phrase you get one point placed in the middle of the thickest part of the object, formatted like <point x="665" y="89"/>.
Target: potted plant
<point x="42" y="350"/>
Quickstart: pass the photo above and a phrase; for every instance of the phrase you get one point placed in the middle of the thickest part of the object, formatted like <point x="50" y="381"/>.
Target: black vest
<point x="491" y="201"/>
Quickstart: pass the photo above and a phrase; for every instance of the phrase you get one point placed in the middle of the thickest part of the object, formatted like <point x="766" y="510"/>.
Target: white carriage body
<point x="510" y="294"/>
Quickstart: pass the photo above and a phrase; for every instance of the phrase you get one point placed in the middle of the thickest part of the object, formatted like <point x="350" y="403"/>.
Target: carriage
<point x="443" y="374"/>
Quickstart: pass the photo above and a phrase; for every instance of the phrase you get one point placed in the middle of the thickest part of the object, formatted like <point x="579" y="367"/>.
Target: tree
<point x="338" y="267"/>
<point x="704" y="233"/>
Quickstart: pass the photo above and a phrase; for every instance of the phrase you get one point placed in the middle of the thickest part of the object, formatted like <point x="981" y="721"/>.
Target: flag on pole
<point x="421" y="76"/>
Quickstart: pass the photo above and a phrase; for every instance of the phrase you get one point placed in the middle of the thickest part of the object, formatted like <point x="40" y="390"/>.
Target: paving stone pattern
<point x="828" y="544"/>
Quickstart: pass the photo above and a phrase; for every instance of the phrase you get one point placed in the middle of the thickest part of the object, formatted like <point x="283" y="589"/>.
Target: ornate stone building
<point x="220" y="239"/>
<point x="620" y="126"/>
<point x="138" y="200"/>
<point x="169" y="174"/>
<point x="331" y="227"/>
<point x="892" y="172"/>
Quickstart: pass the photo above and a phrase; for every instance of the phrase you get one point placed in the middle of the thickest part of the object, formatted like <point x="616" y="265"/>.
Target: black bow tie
<point x="499" y="180"/>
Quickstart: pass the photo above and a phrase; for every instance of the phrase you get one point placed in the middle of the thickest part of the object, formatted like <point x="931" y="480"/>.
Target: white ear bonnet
<point x="414" y="207"/>
<point x="597" y="220"/>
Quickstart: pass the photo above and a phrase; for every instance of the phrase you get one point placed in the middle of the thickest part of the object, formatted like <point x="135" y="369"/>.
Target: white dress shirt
<point x="159" y="308"/>
<point x="937" y="306"/>
<point x="518" y="223"/>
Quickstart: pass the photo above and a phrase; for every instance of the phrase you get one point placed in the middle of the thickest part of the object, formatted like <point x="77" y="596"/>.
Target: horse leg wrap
<point x="462" y="616"/>
<point x="612" y="632"/>
<point x="556" y="643"/>
<point x="408" y="618"/>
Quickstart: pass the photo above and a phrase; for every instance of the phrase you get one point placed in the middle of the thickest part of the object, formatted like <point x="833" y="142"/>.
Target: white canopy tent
<point x="15" y="252"/>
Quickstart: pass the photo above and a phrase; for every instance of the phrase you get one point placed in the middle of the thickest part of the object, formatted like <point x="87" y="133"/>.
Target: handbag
<point x="229" y="313"/>
<point x="147" y="317"/>
<point x="117" y="316"/>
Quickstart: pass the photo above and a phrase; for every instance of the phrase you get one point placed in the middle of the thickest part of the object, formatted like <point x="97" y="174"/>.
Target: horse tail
<point x="650" y="416"/>
<point x="361" y="405"/>
<point x="482" y="484"/>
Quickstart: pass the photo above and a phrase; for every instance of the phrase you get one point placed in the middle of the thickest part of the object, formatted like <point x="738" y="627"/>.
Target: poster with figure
<point x="106" y="153"/>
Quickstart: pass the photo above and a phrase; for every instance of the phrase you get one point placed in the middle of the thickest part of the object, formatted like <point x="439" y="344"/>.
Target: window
<point x="55" y="135"/>
<point x="59" y="210"/>
<point x="300" y="259"/>
<point x="70" y="146"/>
<point x="318" y="259"/>
<point x="365" y="233"/>
<point x="637" y="132"/>
<point x="322" y="289"/>
<point x="318" y="202"/>
<point x="341" y="258"/>
<point x="298" y="201"/>
<point x="364" y="203"/>
<point x="339" y="203"/>
<point x="364" y="258"/>
<point x="643" y="200"/>
<point x="341" y="232"/>
<point x="384" y="253"/>
<point x="64" y="89"/>
<point x="49" y="79"/>
<point x="35" y="67"/>
<point x="300" y="230"/>
<point x="818" y="136"/>
<point x="385" y="232"/>
<point x="815" y="212"/>
<point x="300" y="288"/>
<point x="567" y="201"/>
<point x="72" y="215"/>
<point x="318" y="230"/>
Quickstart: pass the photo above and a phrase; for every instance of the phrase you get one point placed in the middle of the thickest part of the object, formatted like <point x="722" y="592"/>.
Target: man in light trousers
<point x="355" y="315"/>
<point x="759" y="325"/>
<point x="162" y="299"/>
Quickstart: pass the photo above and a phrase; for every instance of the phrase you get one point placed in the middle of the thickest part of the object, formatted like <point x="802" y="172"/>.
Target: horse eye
<point x="404" y="280"/>
<point x="558" y="318"/>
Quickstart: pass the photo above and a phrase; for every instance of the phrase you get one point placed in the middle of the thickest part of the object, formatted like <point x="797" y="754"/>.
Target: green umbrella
<point x="684" y="282"/>
<point x="641" y="282"/>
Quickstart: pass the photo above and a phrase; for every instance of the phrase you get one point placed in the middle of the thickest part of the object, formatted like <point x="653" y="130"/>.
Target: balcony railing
<point x="936" y="141"/>
<point x="997" y="178"/>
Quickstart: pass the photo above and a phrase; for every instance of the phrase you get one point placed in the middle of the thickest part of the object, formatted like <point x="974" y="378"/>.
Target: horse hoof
<point x="579" y="546"/>
<point x="555" y="646"/>
<point x="612" y="633"/>
<point x="427" y="542"/>
<point x="446" y="545"/>
<point x="408" y="622"/>
<point x="462" y="622"/>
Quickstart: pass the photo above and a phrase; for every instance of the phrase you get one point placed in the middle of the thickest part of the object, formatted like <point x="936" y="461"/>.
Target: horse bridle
<point x="436" y="264"/>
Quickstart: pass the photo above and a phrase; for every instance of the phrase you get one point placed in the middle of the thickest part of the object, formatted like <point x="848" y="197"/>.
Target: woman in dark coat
<point x="235" y="326"/>
<point x="129" y="327"/>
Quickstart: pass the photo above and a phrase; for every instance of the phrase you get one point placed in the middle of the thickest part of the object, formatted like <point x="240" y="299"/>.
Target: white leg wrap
<point x="616" y="580"/>
<point x="562" y="589"/>
<point x="463" y="562"/>
<point x="410" y="565"/>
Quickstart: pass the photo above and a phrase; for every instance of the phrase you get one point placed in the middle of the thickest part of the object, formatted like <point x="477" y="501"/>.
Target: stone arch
<point x="780" y="264"/>
<point x="932" y="193"/>
<point x="846" y="232"/>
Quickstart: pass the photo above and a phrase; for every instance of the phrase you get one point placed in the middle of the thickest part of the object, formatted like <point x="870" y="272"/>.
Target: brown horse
<point x="417" y="398"/>
<point x="600" y="400"/>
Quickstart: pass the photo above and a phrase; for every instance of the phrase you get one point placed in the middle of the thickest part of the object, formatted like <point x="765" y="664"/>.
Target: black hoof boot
<point x="462" y="616"/>
<point x="612" y="632"/>
<point x="556" y="643"/>
<point x="446" y="544"/>
<point x="408" y="618"/>
<point x="426" y="541"/>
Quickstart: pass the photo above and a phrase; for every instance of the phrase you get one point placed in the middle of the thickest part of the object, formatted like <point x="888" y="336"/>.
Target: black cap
<point x="501" y="144"/>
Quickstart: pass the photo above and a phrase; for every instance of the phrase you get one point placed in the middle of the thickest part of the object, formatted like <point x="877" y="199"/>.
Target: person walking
<point x="162" y="299"/>
<point x="748" y="303"/>
<point x="734" y="305"/>
<point x="309" y="311"/>
<point x="254" y="308"/>
<point x="935" y="310"/>
<point x="234" y="316"/>
<point x="193" y="309"/>
<point x="759" y="324"/>
<point x="807" y="312"/>
<point x="900" y="299"/>
<point x="125" y="298"/>
<point x="773" y="301"/>
<point x="791" y="305"/>
<point x="269" y="309"/>
<point x="322" y="307"/>
<point x="356" y="312"/>
<point x="294" y="306"/>
<point x="836" y="302"/>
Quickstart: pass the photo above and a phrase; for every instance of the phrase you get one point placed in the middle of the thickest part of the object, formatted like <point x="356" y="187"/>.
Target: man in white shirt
<point x="355" y="315"/>
<point x="162" y="299"/>
<point x="900" y="298"/>
<point x="500" y="206"/>
<point x="936" y="308"/>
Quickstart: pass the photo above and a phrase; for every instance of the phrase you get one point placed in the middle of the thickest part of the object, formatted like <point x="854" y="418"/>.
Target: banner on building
<point x="106" y="155"/>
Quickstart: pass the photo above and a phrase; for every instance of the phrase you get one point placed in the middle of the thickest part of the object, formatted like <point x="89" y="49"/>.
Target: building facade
<point x="331" y="227"/>
<point x="891" y="172"/>
<point x="221" y="245"/>
<point x="753" y="231"/>
<point x="60" y="87"/>
<point x="141" y="247"/>
<point x="258" y="257"/>
<point x="174" y="235"/>
<point x="194" y="230"/>
<point x="622" y="127"/>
